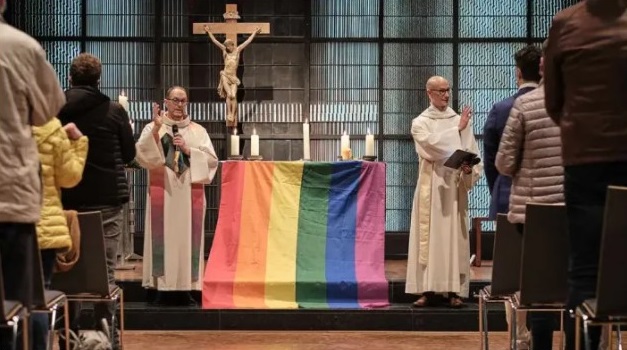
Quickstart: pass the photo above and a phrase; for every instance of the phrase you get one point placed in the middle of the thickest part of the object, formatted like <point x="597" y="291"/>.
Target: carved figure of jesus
<point x="227" y="88"/>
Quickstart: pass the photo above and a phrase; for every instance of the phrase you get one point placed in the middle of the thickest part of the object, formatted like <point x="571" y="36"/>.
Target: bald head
<point x="439" y="92"/>
<point x="435" y="82"/>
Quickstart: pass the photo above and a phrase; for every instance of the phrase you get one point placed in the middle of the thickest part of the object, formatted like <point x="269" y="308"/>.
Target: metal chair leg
<point x="16" y="322"/>
<point x="483" y="322"/>
<point x="480" y="296"/>
<point x="25" y="333"/>
<point x="562" y="335"/>
<point x="66" y="323"/>
<point x="577" y="332"/>
<point x="121" y="318"/>
<point x="53" y="320"/>
<point x="586" y="335"/>
<point x="486" y="326"/>
<point x="513" y="328"/>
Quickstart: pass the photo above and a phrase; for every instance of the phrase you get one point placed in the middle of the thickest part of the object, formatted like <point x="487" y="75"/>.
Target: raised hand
<point x="207" y="29"/>
<point x="157" y="116"/>
<point x="258" y="30"/>
<point x="465" y="118"/>
<point x="72" y="131"/>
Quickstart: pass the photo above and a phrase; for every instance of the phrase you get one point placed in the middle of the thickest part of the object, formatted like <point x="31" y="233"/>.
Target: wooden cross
<point x="231" y="27"/>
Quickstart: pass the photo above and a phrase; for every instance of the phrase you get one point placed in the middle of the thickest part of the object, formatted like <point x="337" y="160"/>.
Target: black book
<point x="457" y="159"/>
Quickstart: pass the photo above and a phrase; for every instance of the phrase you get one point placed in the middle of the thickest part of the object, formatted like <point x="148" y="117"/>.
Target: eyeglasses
<point x="441" y="92"/>
<point x="177" y="101"/>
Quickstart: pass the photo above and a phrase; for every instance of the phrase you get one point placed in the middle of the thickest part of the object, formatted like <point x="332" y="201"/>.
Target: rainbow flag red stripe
<point x="294" y="234"/>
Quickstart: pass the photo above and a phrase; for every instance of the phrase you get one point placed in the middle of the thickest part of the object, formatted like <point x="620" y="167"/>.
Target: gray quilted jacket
<point x="531" y="153"/>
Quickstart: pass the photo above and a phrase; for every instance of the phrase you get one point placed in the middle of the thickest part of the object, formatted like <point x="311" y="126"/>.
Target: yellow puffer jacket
<point x="62" y="163"/>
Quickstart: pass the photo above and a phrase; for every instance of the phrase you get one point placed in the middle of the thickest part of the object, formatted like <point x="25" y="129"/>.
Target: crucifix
<point x="227" y="88"/>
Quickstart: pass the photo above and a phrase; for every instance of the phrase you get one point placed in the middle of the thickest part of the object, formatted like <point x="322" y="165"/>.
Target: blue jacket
<point x="498" y="184"/>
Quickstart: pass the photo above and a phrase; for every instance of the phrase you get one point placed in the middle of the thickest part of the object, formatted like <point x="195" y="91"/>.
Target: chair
<point x="476" y="224"/>
<point x="48" y="301"/>
<point x="87" y="280"/>
<point x="12" y="313"/>
<point x="544" y="264"/>
<point x="610" y="306"/>
<point x="505" y="272"/>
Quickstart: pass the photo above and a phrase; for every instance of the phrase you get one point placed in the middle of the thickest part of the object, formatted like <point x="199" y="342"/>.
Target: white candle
<point x="235" y="143"/>
<point x="254" y="143"/>
<point x="123" y="100"/>
<point x="345" y="141"/>
<point x="369" y="144"/>
<point x="306" y="150"/>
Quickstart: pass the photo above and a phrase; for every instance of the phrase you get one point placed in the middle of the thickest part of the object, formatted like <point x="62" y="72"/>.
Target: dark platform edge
<point x="142" y="314"/>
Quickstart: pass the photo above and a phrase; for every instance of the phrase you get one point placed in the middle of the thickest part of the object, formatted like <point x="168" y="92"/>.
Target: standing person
<point x="439" y="249"/>
<point x="62" y="152"/>
<point x="104" y="186"/>
<point x="180" y="158"/>
<point x="530" y="153"/>
<point x="30" y="95"/>
<point x="585" y="94"/>
<point x="527" y="77"/>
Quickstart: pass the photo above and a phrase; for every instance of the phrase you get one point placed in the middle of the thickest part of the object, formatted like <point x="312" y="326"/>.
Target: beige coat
<point x="30" y="94"/>
<point x="531" y="153"/>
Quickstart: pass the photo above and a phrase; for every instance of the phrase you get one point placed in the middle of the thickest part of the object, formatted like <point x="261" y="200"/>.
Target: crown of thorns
<point x="231" y="15"/>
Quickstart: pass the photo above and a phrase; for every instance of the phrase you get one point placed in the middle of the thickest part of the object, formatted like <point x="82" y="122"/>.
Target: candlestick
<point x="345" y="141"/>
<point x="254" y="143"/>
<point x="369" y="144"/>
<point x="123" y="100"/>
<point x="234" y="143"/>
<point x="306" y="150"/>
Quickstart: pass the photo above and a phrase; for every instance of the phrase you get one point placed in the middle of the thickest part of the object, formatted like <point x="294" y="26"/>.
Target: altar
<point x="299" y="235"/>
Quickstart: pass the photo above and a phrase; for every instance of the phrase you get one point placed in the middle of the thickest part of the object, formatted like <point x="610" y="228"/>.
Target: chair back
<point x="612" y="280"/>
<point x="89" y="274"/>
<point x="506" y="258"/>
<point x="544" y="265"/>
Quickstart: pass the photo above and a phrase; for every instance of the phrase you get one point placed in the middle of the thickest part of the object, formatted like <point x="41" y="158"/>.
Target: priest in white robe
<point x="180" y="164"/>
<point x="439" y="249"/>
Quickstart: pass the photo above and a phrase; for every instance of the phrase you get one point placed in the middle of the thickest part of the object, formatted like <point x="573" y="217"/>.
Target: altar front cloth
<point x="299" y="235"/>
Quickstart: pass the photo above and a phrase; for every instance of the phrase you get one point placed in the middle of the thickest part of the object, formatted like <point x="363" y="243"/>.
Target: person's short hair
<point x="172" y="88"/>
<point x="85" y="70"/>
<point x="528" y="61"/>
<point x="3" y="6"/>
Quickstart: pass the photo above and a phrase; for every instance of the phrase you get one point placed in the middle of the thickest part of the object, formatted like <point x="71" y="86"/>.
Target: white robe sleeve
<point x="434" y="146"/>
<point x="150" y="154"/>
<point x="469" y="143"/>
<point x="203" y="160"/>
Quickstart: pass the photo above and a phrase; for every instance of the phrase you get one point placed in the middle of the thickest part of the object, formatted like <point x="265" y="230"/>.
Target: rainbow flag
<point x="295" y="234"/>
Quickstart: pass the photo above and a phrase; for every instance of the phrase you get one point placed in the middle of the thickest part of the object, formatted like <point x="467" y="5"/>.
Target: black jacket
<point x="111" y="145"/>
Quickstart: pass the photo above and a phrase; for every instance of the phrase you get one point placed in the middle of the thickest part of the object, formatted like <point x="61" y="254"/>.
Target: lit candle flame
<point x="122" y="93"/>
<point x="254" y="131"/>
<point x="234" y="131"/>
<point x="368" y="131"/>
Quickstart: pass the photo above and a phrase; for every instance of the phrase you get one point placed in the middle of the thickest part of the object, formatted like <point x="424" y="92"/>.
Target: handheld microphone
<point x="177" y="151"/>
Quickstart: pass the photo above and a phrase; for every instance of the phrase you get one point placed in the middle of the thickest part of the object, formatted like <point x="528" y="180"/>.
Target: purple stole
<point x="157" y="204"/>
